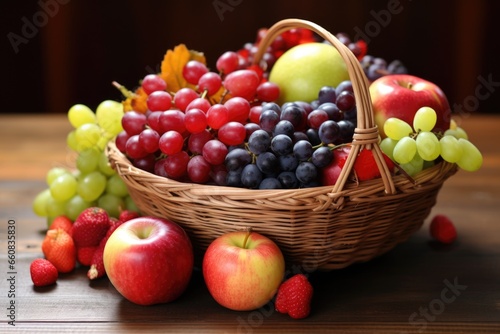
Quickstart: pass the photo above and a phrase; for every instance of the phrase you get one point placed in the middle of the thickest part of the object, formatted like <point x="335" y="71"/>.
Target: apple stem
<point x="249" y="231"/>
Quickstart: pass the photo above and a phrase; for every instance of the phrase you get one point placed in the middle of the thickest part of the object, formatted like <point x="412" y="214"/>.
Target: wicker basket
<point x="321" y="228"/>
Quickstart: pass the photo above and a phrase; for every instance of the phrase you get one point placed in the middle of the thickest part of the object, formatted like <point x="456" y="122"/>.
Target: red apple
<point x="401" y="95"/>
<point x="149" y="260"/>
<point x="331" y="173"/>
<point x="243" y="270"/>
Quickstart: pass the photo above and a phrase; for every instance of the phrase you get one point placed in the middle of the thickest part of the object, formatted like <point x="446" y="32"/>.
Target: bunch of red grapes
<point x="248" y="140"/>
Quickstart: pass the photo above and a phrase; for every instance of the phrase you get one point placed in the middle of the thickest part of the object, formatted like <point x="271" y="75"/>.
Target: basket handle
<point x="366" y="134"/>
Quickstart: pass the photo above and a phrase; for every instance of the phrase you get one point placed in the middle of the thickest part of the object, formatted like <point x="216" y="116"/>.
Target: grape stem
<point x="127" y="93"/>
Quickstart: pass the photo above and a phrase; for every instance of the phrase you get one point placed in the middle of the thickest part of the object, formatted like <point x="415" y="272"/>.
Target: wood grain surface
<point x="418" y="287"/>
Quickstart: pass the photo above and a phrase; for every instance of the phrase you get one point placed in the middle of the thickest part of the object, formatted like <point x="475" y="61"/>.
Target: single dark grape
<point x="345" y="85"/>
<point x="284" y="127"/>
<point x="322" y="157"/>
<point x="327" y="94"/>
<point x="250" y="128"/>
<point x="303" y="150"/>
<point x="313" y="137"/>
<point x="236" y="159"/>
<point x="282" y="144"/>
<point x="306" y="172"/>
<point x="288" y="163"/>
<point x="299" y="135"/>
<point x="233" y="179"/>
<point x="268" y="120"/>
<point x="346" y="101"/>
<point x="346" y="131"/>
<point x="329" y="132"/>
<point x="288" y="180"/>
<point x="296" y="115"/>
<point x="259" y="141"/>
<point x="267" y="163"/>
<point x="271" y="106"/>
<point x="270" y="183"/>
<point x="332" y="110"/>
<point x="251" y="176"/>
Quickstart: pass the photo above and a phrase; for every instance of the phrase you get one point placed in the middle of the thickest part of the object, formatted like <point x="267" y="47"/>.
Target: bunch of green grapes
<point x="93" y="182"/>
<point x="417" y="148"/>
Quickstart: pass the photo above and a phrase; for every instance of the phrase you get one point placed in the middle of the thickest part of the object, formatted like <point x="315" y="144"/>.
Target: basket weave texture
<point x="320" y="228"/>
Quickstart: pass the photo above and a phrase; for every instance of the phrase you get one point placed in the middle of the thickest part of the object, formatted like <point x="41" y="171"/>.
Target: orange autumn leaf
<point x="136" y="102"/>
<point x="173" y="63"/>
<point x="171" y="71"/>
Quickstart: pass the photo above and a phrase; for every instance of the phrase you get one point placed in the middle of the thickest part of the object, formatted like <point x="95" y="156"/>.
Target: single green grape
<point x="471" y="159"/>
<point x="387" y="146"/>
<point x="75" y="206"/>
<point x="71" y="141"/>
<point x="457" y="133"/>
<point x="405" y="150"/>
<point x="40" y="203"/>
<point x="54" y="173"/>
<point x="116" y="186"/>
<point x="130" y="204"/>
<point x="105" y="166"/>
<point x="104" y="140"/>
<point x="87" y="136"/>
<point x="414" y="166"/>
<point x="424" y="119"/>
<point x="451" y="150"/>
<point x="88" y="160"/>
<point x="109" y="116"/>
<point x="428" y="146"/>
<point x="112" y="204"/>
<point x="80" y="114"/>
<point x="55" y="208"/>
<point x="396" y="128"/>
<point x="63" y="187"/>
<point x="91" y="186"/>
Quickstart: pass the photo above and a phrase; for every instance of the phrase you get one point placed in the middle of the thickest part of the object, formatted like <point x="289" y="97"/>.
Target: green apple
<point x="302" y="70"/>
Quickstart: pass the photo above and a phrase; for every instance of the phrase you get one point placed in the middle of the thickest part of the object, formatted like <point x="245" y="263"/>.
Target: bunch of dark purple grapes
<point x="374" y="67"/>
<point x="292" y="143"/>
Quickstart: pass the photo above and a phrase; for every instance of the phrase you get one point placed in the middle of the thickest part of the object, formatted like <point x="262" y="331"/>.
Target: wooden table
<point x="417" y="287"/>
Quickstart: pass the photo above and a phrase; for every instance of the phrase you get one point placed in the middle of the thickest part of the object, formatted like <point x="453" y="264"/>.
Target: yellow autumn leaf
<point x="173" y="63"/>
<point x="137" y="102"/>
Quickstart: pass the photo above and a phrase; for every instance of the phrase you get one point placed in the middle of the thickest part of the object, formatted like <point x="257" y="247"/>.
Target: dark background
<point x="82" y="46"/>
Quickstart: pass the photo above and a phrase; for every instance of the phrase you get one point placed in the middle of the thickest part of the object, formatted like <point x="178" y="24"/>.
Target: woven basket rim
<point x="442" y="169"/>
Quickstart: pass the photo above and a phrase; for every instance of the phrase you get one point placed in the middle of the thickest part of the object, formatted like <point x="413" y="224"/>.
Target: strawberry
<point x="90" y="227"/>
<point x="126" y="215"/>
<point x="59" y="248"/>
<point x="442" y="229"/>
<point x="62" y="222"/>
<point x="43" y="272"/>
<point x="294" y="297"/>
<point x="365" y="166"/>
<point x="97" y="264"/>
<point x="84" y="255"/>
